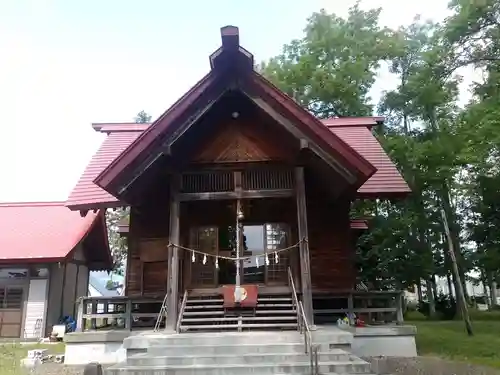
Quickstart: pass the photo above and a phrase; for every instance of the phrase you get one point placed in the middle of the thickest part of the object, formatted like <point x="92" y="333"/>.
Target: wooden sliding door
<point x="206" y="240"/>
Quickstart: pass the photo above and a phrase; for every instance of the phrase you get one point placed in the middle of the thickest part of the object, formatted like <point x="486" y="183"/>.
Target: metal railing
<point x="163" y="312"/>
<point x="304" y="328"/>
<point x="181" y="312"/>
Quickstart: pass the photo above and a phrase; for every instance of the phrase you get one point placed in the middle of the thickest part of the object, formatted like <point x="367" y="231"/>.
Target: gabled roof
<point x="386" y="181"/>
<point x="49" y="232"/>
<point x="232" y="69"/>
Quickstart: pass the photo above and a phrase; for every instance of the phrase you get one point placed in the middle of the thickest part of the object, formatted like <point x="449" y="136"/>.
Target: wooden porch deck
<point x="140" y="313"/>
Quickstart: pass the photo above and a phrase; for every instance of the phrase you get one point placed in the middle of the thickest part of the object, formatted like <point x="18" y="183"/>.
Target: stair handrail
<point x="163" y="312"/>
<point x="181" y="312"/>
<point x="295" y="300"/>
<point x="303" y="327"/>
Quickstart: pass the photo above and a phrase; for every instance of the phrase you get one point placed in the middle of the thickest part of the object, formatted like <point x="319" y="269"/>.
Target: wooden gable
<point x="238" y="143"/>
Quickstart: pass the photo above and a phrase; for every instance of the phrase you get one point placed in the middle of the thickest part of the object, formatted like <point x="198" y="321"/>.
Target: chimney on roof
<point x="230" y="37"/>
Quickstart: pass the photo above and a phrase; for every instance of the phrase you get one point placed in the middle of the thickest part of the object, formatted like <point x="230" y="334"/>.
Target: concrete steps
<point x="336" y="367"/>
<point x="242" y="359"/>
<point x="237" y="353"/>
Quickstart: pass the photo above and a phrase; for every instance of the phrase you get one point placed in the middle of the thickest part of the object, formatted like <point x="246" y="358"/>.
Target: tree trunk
<point x="484" y="282"/>
<point x="419" y="292"/>
<point x="493" y="291"/>
<point x="450" y="286"/>
<point x="452" y="226"/>
<point x="431" y="298"/>
<point x="434" y="286"/>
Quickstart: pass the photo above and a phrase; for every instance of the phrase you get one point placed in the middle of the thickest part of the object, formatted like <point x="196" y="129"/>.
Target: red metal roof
<point x="86" y="194"/>
<point x="45" y="232"/>
<point x="387" y="180"/>
<point x="359" y="224"/>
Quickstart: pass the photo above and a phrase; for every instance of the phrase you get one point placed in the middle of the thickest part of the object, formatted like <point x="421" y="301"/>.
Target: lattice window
<point x="276" y="237"/>
<point x="267" y="179"/>
<point x="207" y="182"/>
<point x="204" y="239"/>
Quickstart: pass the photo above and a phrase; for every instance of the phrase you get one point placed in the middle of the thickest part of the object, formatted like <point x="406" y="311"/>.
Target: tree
<point x="142" y="118"/>
<point x="446" y="153"/>
<point x="331" y="69"/>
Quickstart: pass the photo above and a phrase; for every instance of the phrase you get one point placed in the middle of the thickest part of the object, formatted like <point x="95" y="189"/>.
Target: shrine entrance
<point x="265" y="250"/>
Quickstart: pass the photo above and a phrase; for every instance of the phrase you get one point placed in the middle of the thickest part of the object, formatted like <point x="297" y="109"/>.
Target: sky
<point x="65" y="64"/>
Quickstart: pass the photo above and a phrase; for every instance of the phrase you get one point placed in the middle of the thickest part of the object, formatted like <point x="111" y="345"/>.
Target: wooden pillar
<point x="173" y="272"/>
<point x="304" y="245"/>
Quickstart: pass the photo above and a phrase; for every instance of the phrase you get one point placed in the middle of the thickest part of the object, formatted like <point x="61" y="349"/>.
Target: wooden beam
<point x="243" y="194"/>
<point x="174" y="238"/>
<point x="166" y="147"/>
<point x="305" y="267"/>
<point x="288" y="125"/>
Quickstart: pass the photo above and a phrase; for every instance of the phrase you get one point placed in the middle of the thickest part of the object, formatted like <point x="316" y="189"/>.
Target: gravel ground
<point x="51" y="368"/>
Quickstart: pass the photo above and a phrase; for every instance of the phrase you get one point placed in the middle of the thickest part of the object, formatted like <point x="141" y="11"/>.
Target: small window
<point x="14" y="273"/>
<point x="13" y="298"/>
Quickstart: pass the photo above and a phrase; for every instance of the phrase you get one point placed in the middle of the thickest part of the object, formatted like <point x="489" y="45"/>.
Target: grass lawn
<point x="448" y="339"/>
<point x="11" y="355"/>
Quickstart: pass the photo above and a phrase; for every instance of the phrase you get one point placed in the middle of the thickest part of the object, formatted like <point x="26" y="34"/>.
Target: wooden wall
<point x="330" y="243"/>
<point x="147" y="264"/>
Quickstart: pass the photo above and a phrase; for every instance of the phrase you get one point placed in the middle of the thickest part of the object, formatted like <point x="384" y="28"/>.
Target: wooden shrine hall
<point x="238" y="188"/>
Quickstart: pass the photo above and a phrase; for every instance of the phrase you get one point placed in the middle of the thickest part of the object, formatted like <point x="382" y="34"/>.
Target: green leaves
<point x="449" y="155"/>
<point x="332" y="68"/>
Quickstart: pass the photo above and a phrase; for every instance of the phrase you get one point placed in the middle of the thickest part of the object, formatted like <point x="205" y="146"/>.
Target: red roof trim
<point x="322" y="134"/>
<point x="148" y="136"/>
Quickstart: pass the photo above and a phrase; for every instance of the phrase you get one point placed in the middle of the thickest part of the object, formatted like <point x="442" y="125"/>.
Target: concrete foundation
<point x="384" y="341"/>
<point x="109" y="347"/>
<point x="105" y="347"/>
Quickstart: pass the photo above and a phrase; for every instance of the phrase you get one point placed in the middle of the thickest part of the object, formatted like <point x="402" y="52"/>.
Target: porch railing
<point x="373" y="307"/>
<point x="117" y="312"/>
<point x="304" y="328"/>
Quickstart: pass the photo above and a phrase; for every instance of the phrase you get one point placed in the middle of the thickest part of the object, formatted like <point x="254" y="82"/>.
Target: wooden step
<point x="237" y="326"/>
<point x="198" y="301"/>
<point x="243" y="318"/>
<point x="221" y="301"/>
<point x="258" y="312"/>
